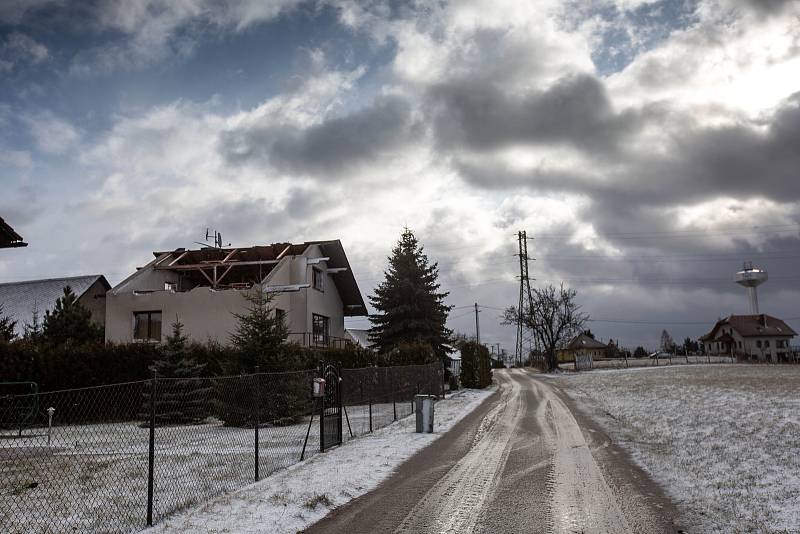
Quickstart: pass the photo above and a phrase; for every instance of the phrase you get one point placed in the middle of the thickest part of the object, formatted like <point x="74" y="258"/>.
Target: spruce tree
<point x="33" y="330"/>
<point x="69" y="320"/>
<point x="260" y="337"/>
<point x="7" y="326"/>
<point x="181" y="398"/>
<point x="410" y="307"/>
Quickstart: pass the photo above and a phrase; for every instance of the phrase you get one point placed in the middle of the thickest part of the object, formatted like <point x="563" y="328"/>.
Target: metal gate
<point x="330" y="417"/>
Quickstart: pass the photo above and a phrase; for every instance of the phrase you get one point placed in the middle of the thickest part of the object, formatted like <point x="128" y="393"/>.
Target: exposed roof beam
<point x="284" y="251"/>
<point x="179" y="258"/>
<point x="225" y="273"/>
<point x="334" y="270"/>
<point x="315" y="261"/>
<point x="210" y="281"/>
<point x="229" y="256"/>
<point x="200" y="266"/>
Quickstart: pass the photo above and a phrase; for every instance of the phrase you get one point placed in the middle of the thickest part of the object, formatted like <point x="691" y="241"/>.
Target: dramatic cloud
<point x="335" y="145"/>
<point x="649" y="146"/>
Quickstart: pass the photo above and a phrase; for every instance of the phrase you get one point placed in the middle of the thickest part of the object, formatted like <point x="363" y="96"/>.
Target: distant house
<point x="21" y="299"/>
<point x="359" y="337"/>
<point x="760" y="336"/>
<point x="8" y="237"/>
<point x="313" y="285"/>
<point x="582" y="345"/>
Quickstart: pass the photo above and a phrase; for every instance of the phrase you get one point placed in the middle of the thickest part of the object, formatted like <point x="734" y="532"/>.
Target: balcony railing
<point x="309" y="339"/>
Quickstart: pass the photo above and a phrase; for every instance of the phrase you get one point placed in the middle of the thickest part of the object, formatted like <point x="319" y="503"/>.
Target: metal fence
<point x="116" y="458"/>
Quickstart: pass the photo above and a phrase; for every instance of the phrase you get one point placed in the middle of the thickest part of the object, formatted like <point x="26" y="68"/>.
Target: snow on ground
<point x="294" y="498"/>
<point x="723" y="440"/>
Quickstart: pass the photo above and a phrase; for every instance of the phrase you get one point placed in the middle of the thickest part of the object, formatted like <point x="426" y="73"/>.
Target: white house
<point x="313" y="285"/>
<point x="761" y="336"/>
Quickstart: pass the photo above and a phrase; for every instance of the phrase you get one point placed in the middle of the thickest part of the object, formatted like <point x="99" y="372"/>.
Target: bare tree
<point x="553" y="317"/>
<point x="667" y="344"/>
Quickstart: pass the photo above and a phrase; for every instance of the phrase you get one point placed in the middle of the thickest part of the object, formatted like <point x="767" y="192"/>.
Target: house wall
<point x="326" y="302"/>
<point x="207" y="315"/>
<point x="94" y="300"/>
<point x="748" y="345"/>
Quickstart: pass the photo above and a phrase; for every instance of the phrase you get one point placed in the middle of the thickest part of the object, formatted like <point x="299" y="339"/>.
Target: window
<point x="147" y="326"/>
<point x="740" y="344"/>
<point x="320" y="329"/>
<point x="766" y="343"/>
<point x="758" y="343"/>
<point x="318" y="279"/>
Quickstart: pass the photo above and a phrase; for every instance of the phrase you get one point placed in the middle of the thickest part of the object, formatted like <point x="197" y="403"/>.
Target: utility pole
<point x="477" y="325"/>
<point x="524" y="292"/>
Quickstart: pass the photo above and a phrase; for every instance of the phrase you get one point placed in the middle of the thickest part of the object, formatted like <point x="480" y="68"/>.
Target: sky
<point x="647" y="147"/>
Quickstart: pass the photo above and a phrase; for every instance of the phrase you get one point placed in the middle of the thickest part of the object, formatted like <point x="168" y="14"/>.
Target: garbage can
<point x="423" y="404"/>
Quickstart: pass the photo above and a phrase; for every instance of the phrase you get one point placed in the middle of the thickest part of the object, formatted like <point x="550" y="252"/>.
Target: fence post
<point x="152" y="448"/>
<point x="322" y="412"/>
<point x="369" y="400"/>
<point x="394" y="402"/>
<point x="258" y="418"/>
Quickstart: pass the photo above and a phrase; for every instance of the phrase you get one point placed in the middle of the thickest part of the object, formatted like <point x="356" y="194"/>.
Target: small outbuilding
<point x="20" y="300"/>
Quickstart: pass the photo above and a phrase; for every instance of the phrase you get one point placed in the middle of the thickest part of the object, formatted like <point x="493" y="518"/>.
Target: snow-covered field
<point x="294" y="498"/>
<point x="723" y="440"/>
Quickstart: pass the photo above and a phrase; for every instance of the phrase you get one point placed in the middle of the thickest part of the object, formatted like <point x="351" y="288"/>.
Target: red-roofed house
<point x="313" y="284"/>
<point x="761" y="336"/>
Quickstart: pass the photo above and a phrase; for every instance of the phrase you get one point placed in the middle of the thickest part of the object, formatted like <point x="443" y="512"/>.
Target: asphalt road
<point x="524" y="461"/>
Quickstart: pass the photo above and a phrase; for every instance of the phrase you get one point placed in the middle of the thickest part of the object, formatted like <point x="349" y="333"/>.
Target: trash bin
<point x="423" y="404"/>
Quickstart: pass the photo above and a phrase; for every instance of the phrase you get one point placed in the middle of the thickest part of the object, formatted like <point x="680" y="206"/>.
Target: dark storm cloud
<point x="768" y="7"/>
<point x="574" y="111"/>
<point x="332" y="146"/>
<point x="738" y="161"/>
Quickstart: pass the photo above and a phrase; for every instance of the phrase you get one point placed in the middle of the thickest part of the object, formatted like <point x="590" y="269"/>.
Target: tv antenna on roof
<point x="217" y="239"/>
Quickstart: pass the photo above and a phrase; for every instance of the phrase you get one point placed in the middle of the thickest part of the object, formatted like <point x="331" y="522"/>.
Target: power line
<point x="733" y="230"/>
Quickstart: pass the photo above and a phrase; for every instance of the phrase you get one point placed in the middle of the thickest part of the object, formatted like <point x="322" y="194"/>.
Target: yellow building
<point x="582" y="345"/>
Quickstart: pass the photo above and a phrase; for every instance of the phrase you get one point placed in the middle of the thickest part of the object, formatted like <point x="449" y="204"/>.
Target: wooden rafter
<point x="210" y="264"/>
<point x="230" y="255"/>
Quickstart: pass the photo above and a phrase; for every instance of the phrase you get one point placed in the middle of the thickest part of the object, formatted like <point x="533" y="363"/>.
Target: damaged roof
<point x="233" y="267"/>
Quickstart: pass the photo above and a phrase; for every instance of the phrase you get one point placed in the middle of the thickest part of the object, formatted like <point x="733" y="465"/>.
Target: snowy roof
<point x="20" y="299"/>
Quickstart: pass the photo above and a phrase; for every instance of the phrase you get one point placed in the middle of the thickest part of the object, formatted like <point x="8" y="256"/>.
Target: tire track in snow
<point x="581" y="499"/>
<point x="454" y="504"/>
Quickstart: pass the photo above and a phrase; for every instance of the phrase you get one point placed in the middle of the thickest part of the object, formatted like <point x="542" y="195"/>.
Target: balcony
<point x="311" y="340"/>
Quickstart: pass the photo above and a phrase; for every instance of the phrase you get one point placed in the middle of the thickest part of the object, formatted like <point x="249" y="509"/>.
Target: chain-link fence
<point x="119" y="457"/>
<point x="374" y="397"/>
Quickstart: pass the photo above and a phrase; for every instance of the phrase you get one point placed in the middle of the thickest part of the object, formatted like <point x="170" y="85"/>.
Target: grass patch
<point x="319" y="499"/>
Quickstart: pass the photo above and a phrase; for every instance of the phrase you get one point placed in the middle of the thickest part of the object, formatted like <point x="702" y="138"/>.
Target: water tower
<point x="751" y="277"/>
